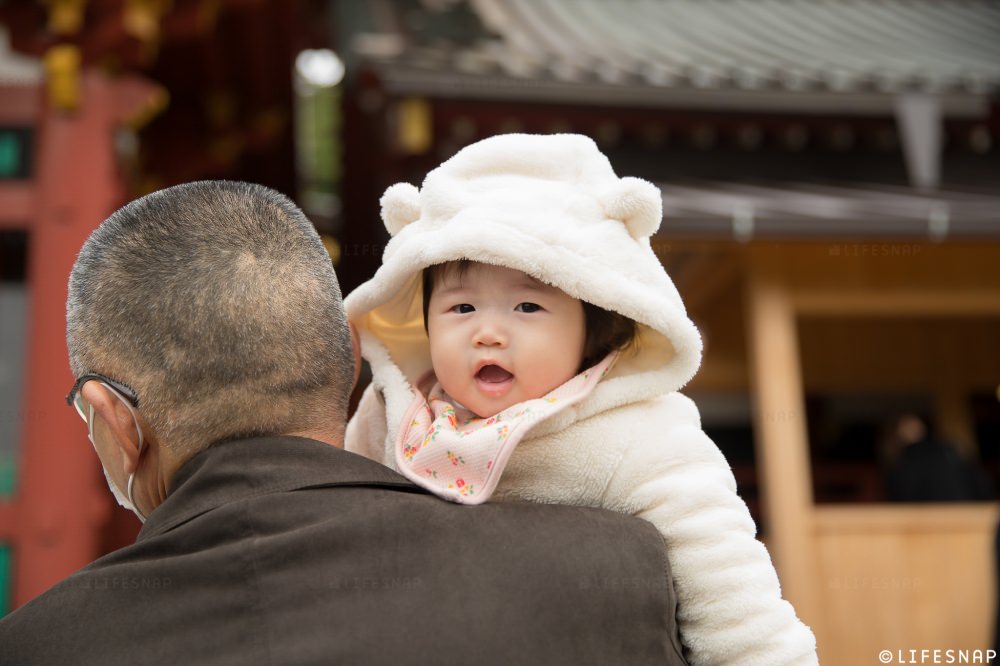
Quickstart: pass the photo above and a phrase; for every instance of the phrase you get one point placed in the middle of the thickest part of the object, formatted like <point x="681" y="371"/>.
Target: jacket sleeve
<point x="730" y="608"/>
<point x="366" y="431"/>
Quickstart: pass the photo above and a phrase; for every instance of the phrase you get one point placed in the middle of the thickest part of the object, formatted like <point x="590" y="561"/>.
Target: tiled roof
<point x="860" y="48"/>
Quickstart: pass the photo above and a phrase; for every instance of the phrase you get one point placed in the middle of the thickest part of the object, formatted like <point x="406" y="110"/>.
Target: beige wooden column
<point x="781" y="440"/>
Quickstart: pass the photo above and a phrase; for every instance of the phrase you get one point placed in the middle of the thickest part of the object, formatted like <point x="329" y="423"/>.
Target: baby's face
<point x="499" y="337"/>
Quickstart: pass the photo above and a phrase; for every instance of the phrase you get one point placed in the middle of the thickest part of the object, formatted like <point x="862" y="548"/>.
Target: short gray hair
<point x="218" y="303"/>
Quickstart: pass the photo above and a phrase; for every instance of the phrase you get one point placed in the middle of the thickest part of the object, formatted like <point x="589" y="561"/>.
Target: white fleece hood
<point x="552" y="207"/>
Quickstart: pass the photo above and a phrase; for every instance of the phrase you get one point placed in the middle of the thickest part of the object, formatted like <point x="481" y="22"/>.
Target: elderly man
<point x="214" y="365"/>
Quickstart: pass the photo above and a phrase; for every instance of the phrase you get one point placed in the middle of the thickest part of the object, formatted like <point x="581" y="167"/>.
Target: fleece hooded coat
<point x="552" y="207"/>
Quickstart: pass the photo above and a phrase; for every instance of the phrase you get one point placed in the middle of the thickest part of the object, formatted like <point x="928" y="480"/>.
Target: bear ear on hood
<point x="400" y="206"/>
<point x="637" y="203"/>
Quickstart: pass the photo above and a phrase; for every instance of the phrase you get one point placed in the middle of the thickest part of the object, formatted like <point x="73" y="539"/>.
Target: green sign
<point x="10" y="154"/>
<point x="6" y="490"/>
<point x="15" y="153"/>
<point x="5" y="576"/>
<point x="6" y="573"/>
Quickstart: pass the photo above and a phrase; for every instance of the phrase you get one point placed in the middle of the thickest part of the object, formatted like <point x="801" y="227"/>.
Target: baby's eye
<point x="462" y="308"/>
<point x="527" y="307"/>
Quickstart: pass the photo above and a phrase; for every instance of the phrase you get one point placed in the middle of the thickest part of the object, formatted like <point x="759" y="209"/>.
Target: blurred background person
<point x="931" y="469"/>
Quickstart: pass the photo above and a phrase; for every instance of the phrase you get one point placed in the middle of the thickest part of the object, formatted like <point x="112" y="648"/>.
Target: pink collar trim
<point x="459" y="456"/>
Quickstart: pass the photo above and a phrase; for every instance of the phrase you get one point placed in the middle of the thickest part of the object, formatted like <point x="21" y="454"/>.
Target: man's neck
<point x="326" y="436"/>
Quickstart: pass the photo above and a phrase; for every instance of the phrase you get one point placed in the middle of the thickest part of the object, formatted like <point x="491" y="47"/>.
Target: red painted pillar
<point x="62" y="502"/>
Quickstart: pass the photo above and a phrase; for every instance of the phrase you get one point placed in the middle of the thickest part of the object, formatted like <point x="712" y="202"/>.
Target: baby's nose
<point x="490" y="335"/>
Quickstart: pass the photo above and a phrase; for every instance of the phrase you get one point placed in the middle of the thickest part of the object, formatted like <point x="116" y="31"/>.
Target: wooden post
<point x="62" y="500"/>
<point x="781" y="440"/>
<point x="75" y="186"/>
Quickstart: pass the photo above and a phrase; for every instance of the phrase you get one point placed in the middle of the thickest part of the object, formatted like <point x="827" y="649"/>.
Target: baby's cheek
<point x="546" y="376"/>
<point x="447" y="378"/>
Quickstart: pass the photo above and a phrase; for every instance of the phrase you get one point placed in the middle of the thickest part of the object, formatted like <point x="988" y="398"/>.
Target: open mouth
<point x="493" y="379"/>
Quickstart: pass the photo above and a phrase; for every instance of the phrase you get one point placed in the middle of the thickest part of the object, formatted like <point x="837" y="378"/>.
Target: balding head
<point x="217" y="302"/>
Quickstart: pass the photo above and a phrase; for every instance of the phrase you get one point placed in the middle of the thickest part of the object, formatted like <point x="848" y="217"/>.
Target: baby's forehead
<point x="459" y="274"/>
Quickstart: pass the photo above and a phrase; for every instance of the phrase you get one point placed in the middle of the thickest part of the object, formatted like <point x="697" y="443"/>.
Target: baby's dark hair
<point x="606" y="331"/>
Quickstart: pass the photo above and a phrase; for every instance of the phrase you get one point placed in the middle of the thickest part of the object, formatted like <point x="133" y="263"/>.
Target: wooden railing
<point x="891" y="577"/>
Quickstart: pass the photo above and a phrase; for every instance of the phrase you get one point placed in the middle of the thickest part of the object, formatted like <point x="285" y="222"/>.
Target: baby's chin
<point x="485" y="414"/>
<point x="482" y="404"/>
<point x="486" y="409"/>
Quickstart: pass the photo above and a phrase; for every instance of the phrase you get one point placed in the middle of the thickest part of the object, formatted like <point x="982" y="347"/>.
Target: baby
<point x="526" y="343"/>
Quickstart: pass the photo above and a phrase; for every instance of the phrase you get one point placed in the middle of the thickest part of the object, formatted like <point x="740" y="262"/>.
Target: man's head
<point x="217" y="304"/>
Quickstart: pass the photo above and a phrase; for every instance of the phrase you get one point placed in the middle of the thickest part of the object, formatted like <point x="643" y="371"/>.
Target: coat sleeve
<point x="730" y="608"/>
<point x="366" y="431"/>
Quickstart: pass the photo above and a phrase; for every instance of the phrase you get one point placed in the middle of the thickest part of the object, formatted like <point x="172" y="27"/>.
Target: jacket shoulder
<point x="680" y="407"/>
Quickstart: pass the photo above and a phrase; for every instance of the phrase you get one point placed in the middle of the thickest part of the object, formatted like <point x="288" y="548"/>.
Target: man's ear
<point x="117" y="422"/>
<point x="356" y="344"/>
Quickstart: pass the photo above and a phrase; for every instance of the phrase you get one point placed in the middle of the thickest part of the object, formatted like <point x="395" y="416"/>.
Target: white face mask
<point x="124" y="501"/>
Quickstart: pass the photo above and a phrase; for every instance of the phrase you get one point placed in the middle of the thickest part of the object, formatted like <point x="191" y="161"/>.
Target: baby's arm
<point x="730" y="608"/>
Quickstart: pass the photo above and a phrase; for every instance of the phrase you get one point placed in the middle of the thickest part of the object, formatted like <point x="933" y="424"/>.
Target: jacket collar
<point x="240" y="469"/>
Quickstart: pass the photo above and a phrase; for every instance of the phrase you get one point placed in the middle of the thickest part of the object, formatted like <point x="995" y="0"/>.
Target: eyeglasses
<point x="74" y="398"/>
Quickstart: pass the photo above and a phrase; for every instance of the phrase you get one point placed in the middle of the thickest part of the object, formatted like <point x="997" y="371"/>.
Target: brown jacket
<point x="283" y="550"/>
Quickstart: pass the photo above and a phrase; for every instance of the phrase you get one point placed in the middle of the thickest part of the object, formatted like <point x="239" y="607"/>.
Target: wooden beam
<point x="707" y="276"/>
<point x="722" y="374"/>
<point x="896" y="302"/>
<point x="781" y="440"/>
<point x="925" y="517"/>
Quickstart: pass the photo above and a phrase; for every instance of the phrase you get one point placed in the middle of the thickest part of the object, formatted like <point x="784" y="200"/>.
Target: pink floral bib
<point x="459" y="456"/>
